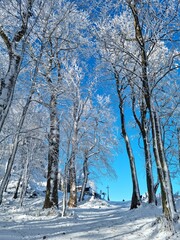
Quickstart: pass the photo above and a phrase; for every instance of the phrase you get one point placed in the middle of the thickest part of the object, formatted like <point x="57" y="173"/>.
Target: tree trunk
<point x="136" y="200"/>
<point x="72" y="179"/>
<point x="17" y="187"/>
<point x="25" y="178"/>
<point x="7" y="87"/>
<point x="149" y="175"/>
<point x="64" y="207"/>
<point x="72" y="170"/>
<point x="51" y="198"/>
<point x="25" y="181"/>
<point x="142" y="124"/>
<point x="168" y="200"/>
<point x="86" y="173"/>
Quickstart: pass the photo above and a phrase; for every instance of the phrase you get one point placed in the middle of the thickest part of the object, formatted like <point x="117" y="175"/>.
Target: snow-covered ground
<point x="94" y="219"/>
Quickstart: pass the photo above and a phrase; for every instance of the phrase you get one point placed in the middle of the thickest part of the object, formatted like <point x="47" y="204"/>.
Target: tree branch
<point x="5" y="39"/>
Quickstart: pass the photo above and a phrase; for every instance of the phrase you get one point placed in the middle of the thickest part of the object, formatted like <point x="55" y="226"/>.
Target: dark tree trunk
<point x="144" y="129"/>
<point x="51" y="199"/>
<point x="136" y="200"/>
<point x="17" y="187"/>
<point x="72" y="179"/>
<point x="149" y="175"/>
<point x="85" y="180"/>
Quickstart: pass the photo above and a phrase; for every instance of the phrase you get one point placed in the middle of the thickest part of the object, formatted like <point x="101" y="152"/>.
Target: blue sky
<point x="121" y="188"/>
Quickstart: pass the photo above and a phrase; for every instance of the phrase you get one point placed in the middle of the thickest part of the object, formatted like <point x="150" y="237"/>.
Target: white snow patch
<point x="93" y="219"/>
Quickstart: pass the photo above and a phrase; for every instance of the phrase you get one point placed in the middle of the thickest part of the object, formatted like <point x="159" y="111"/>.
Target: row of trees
<point x="49" y="48"/>
<point x="139" y="47"/>
<point x="74" y="129"/>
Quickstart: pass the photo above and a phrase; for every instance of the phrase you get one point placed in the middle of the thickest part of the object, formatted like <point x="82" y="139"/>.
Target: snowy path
<point x="94" y="220"/>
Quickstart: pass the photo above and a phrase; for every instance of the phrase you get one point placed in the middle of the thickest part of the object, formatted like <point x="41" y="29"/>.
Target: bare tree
<point x="121" y="86"/>
<point x="78" y="108"/>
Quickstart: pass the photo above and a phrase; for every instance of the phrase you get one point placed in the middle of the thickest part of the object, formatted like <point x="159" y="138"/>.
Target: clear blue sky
<point x="121" y="188"/>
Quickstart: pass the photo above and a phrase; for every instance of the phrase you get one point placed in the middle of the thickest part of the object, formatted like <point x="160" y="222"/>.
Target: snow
<point x="92" y="219"/>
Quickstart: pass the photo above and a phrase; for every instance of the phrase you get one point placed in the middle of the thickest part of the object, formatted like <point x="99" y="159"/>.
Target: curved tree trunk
<point x="136" y="200"/>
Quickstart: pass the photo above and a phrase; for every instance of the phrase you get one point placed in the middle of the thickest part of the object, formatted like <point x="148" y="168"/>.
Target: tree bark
<point x="72" y="170"/>
<point x="72" y="179"/>
<point x="25" y="181"/>
<point x="51" y="198"/>
<point x="85" y="179"/>
<point x="145" y="132"/>
<point x="149" y="174"/>
<point x="64" y="207"/>
<point x="17" y="187"/>
<point x="169" y="207"/>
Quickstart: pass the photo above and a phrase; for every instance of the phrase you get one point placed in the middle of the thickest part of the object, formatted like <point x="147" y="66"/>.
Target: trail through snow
<point x="95" y="219"/>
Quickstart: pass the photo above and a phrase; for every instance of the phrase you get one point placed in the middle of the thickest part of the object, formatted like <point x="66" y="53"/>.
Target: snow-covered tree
<point x="143" y="50"/>
<point x="111" y="45"/>
<point x="59" y="34"/>
<point x="15" y="28"/>
<point x="99" y="140"/>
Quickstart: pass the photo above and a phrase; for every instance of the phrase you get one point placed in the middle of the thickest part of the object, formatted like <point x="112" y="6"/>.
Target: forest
<point x="61" y="64"/>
